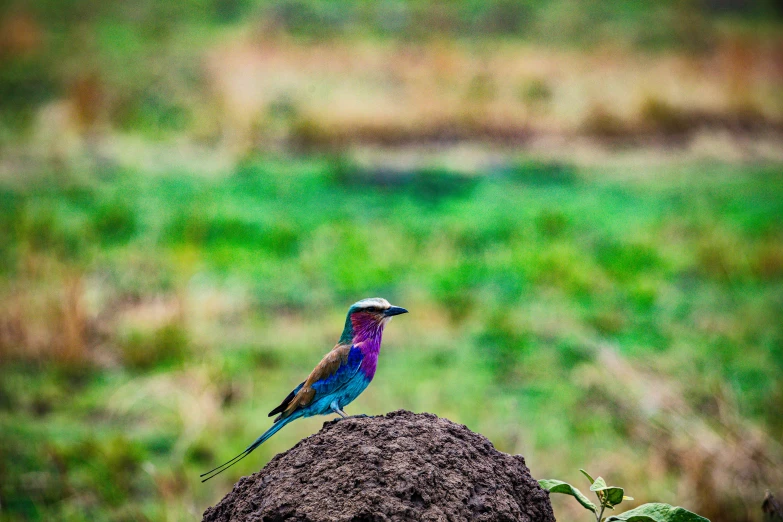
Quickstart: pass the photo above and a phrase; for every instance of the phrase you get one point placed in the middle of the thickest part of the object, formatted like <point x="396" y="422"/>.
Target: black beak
<point x="394" y="310"/>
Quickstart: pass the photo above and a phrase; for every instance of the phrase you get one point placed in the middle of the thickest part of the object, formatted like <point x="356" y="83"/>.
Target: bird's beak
<point x="394" y="310"/>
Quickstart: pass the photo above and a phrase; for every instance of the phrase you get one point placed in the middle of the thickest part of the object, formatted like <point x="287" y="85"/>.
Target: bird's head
<point x="367" y="317"/>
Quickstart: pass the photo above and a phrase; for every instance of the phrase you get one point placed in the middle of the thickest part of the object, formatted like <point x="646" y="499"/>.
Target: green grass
<point x="201" y="302"/>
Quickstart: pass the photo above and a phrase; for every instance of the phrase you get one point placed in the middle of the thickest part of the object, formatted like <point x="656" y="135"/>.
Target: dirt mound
<point x="401" y="466"/>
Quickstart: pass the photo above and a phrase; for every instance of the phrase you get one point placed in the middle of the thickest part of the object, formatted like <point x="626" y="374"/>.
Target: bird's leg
<point x="339" y="411"/>
<point x="336" y="408"/>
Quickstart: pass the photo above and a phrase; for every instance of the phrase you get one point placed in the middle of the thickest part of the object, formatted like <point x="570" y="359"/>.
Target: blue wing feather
<point x="345" y="372"/>
<point x="327" y="386"/>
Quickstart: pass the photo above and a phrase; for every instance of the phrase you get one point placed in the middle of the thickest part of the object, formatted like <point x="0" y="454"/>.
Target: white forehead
<point x="372" y="302"/>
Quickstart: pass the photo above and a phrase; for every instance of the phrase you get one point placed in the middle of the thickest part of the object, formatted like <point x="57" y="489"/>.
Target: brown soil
<point x="401" y="466"/>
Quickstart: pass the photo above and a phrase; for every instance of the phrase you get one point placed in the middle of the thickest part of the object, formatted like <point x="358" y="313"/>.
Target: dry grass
<point x="392" y="92"/>
<point x="277" y="93"/>
<point x="45" y="318"/>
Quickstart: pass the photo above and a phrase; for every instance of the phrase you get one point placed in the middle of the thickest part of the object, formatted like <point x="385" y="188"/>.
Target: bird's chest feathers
<point x="369" y="361"/>
<point x="367" y="338"/>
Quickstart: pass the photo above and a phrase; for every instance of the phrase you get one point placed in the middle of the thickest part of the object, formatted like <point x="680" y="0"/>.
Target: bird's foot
<point x="360" y="416"/>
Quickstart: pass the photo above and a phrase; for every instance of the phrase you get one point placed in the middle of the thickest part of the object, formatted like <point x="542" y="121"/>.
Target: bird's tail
<point x="260" y="440"/>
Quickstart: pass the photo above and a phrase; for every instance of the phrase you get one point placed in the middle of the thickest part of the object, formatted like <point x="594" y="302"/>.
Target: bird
<point x="341" y="376"/>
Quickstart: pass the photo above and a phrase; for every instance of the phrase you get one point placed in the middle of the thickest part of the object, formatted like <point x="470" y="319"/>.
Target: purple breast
<point x="367" y="337"/>
<point x="369" y="358"/>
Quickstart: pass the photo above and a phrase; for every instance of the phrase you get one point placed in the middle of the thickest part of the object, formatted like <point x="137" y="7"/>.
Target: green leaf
<point x="611" y="495"/>
<point x="586" y="474"/>
<point x="614" y="495"/>
<point x="657" y="513"/>
<point x="598" y="486"/>
<point x="558" y="486"/>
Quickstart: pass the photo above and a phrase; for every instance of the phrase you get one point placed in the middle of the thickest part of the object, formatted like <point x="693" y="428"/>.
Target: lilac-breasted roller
<point x="340" y="377"/>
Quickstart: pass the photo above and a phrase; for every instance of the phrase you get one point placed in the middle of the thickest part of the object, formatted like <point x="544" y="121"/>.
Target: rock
<point x="401" y="466"/>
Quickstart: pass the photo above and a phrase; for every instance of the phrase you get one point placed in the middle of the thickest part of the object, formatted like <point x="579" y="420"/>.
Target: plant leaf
<point x="657" y="512"/>
<point x="558" y="486"/>
<point x="612" y="495"/>
<point x="586" y="474"/>
<point x="598" y="483"/>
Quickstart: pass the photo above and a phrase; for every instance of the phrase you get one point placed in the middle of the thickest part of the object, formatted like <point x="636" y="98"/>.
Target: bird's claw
<point x="360" y="416"/>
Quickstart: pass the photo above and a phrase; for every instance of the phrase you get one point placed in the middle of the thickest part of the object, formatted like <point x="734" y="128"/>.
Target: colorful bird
<point x="340" y="377"/>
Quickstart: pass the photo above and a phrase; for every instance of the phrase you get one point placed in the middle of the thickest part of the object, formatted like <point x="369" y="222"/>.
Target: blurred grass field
<point x="121" y="81"/>
<point x="626" y="322"/>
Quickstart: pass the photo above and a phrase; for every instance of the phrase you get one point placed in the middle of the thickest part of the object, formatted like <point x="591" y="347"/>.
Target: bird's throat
<point x="367" y="329"/>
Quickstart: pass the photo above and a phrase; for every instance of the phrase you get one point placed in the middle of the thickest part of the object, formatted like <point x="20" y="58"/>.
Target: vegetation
<point x="149" y="321"/>
<point x="611" y="496"/>
<point x="493" y="69"/>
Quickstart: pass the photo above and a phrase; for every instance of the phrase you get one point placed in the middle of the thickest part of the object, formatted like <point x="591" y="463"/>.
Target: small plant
<point x="611" y="496"/>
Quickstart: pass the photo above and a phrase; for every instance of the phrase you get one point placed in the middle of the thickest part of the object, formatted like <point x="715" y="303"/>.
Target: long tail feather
<point x="260" y="440"/>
